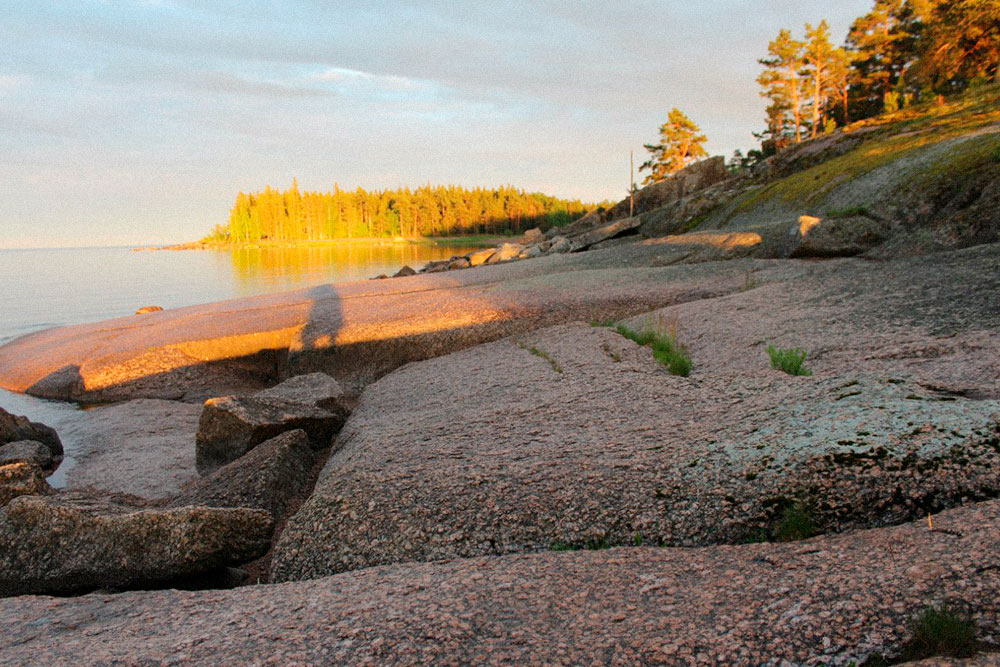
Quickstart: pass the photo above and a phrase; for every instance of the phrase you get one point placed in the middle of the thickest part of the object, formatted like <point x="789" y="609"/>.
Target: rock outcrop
<point x="832" y="600"/>
<point x="266" y="477"/>
<point x="230" y="426"/>
<point x="893" y="424"/>
<point x="73" y="542"/>
<point x="143" y="448"/>
<point x="27" y="451"/>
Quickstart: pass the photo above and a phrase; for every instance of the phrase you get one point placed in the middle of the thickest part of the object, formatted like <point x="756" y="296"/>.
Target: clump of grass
<point x="666" y="349"/>
<point x="598" y="322"/>
<point x="941" y="631"/>
<point x="796" y="524"/>
<point x="563" y="546"/>
<point x="788" y="360"/>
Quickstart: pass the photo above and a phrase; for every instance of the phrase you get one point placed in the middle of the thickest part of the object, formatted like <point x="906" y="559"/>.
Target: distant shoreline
<point x="484" y="240"/>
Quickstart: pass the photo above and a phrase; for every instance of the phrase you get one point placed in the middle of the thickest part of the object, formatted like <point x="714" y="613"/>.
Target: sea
<point x="44" y="288"/>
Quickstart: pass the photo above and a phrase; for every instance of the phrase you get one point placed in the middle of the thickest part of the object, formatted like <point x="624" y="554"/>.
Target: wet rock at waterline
<point x="14" y="428"/>
<point x="27" y="451"/>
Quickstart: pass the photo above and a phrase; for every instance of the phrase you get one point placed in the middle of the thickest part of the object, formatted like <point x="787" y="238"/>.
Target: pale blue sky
<point x="125" y="122"/>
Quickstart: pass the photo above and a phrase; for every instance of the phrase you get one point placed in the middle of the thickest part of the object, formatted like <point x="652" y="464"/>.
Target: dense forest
<point x="900" y="53"/>
<point x="291" y="215"/>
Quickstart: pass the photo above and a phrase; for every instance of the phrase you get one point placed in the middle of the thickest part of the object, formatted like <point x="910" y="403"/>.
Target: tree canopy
<point x="292" y="215"/>
<point x="681" y="143"/>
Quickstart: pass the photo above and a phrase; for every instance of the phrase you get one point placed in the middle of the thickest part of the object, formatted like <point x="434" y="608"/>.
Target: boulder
<point x="532" y="236"/>
<point x="266" y="478"/>
<point x="315" y="389"/>
<point x="231" y="426"/>
<point x="27" y="451"/>
<point x="459" y="263"/>
<point x="148" y="309"/>
<point x="14" y="428"/>
<point x="609" y="231"/>
<point x="21" y="479"/>
<point x="404" y="272"/>
<point x="505" y="253"/>
<point x="532" y="251"/>
<point x="436" y="266"/>
<point x="72" y="543"/>
<point x="481" y="256"/>
<point x="839" y="237"/>
<point x="691" y="179"/>
<point x="560" y="244"/>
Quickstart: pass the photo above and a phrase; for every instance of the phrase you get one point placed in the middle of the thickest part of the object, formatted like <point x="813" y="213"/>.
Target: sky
<point x="138" y="121"/>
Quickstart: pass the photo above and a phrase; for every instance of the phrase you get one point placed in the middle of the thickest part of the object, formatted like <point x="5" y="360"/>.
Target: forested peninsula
<point x="282" y="216"/>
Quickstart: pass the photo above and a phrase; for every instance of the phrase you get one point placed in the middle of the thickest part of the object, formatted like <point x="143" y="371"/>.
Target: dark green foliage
<point x="941" y="631"/>
<point x="796" y="524"/>
<point x="790" y="361"/>
<point x="666" y="349"/>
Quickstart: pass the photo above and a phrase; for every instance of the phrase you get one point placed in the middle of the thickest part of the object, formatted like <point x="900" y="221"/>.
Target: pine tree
<point x="681" y="143"/>
<point x="961" y="44"/>
<point x="782" y="84"/>
<point x="884" y="44"/>
<point x="818" y="57"/>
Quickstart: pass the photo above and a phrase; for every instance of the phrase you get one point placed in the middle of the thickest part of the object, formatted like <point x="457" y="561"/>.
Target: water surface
<point x="44" y="288"/>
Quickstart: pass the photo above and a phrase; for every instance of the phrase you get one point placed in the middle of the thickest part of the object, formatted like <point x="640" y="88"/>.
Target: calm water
<point x="54" y="287"/>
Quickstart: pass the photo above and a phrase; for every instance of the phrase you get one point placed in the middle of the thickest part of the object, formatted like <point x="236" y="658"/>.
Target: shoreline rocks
<point x="74" y="542"/>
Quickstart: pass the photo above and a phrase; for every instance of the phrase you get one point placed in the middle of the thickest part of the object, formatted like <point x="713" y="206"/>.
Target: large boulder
<point x="71" y="543"/>
<point x="532" y="236"/>
<point x="606" y="232"/>
<point x="14" y="428"/>
<point x="21" y="479"/>
<point x="505" y="253"/>
<point x="267" y="477"/>
<point x="691" y="179"/>
<point x="481" y="256"/>
<point x="315" y="389"/>
<point x="231" y="426"/>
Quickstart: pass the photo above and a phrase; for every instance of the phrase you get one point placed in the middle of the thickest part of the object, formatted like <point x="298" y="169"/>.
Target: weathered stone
<point x="693" y="178"/>
<point x="72" y="543"/>
<point x="315" y="389"/>
<point x="481" y="257"/>
<point x="403" y="272"/>
<point x="609" y="231"/>
<point x="505" y="253"/>
<point x="14" y="428"/>
<point x="459" y="263"/>
<point x="436" y="266"/>
<point x="532" y="251"/>
<point x="532" y="236"/>
<point x="231" y="426"/>
<point x="148" y="309"/>
<point x="142" y="447"/>
<point x="839" y="237"/>
<point x="21" y="479"/>
<point x="267" y="477"/>
<point x="27" y="451"/>
<point x="561" y="244"/>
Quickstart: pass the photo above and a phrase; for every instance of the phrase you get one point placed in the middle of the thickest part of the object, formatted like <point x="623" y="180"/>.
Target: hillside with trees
<point x="901" y="53"/>
<point x="292" y="215"/>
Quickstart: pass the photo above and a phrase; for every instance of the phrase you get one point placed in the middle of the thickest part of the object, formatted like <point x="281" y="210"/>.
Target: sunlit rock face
<point x="574" y="436"/>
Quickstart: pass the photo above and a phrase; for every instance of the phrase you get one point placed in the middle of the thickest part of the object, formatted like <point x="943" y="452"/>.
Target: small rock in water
<point x="403" y="272"/>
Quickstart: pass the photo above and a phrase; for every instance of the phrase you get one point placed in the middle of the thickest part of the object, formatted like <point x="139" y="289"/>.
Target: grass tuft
<point x="790" y="361"/>
<point x="666" y="349"/>
<point x="796" y="524"/>
<point x="941" y="631"/>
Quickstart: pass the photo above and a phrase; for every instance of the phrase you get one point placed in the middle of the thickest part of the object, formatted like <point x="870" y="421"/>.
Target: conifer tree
<point x="782" y="84"/>
<point x="819" y="62"/>
<point x="681" y="143"/>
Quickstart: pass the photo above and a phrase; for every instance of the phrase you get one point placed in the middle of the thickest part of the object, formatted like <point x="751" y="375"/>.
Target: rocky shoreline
<point x="491" y="465"/>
